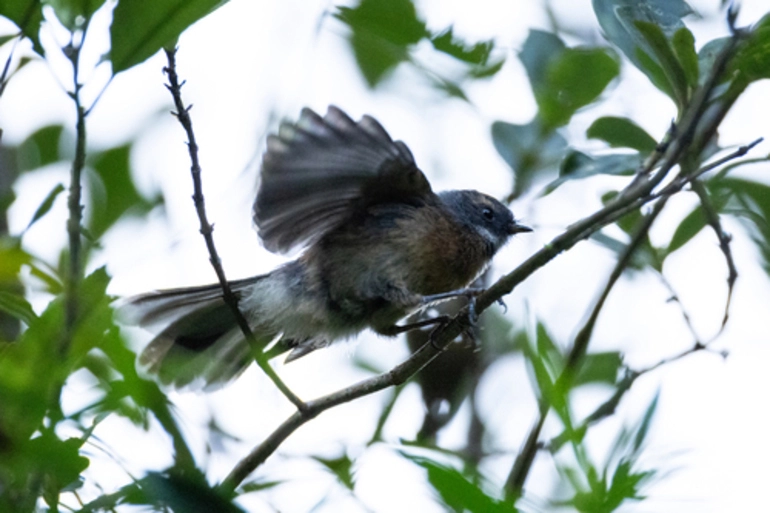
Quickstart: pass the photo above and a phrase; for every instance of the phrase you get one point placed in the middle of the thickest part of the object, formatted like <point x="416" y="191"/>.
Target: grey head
<point x="492" y="220"/>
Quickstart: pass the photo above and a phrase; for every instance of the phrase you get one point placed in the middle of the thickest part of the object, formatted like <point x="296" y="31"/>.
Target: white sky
<point x="251" y="60"/>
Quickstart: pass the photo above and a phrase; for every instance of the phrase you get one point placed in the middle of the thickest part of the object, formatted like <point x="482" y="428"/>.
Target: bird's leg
<point x="469" y="292"/>
<point x="392" y="331"/>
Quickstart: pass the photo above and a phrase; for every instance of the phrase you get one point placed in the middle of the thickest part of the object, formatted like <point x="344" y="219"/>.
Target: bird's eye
<point x="488" y="214"/>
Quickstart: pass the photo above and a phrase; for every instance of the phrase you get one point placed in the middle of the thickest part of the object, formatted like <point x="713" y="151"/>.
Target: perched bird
<point x="379" y="244"/>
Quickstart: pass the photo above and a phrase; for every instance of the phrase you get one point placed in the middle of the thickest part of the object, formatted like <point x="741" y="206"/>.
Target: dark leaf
<point x="644" y="425"/>
<point x="683" y="43"/>
<point x="565" y="79"/>
<point x="529" y="150"/>
<point x="690" y="226"/>
<point x="382" y="33"/>
<point x="74" y="14"/>
<point x="486" y="71"/>
<point x="660" y="48"/>
<point x="188" y="493"/>
<point x="12" y="257"/>
<point x="536" y="54"/>
<point x="41" y="148"/>
<point x="113" y="191"/>
<point x="577" y="165"/>
<point x="472" y="54"/>
<point x="58" y="458"/>
<point x="456" y="491"/>
<point x="141" y="29"/>
<point x="258" y="486"/>
<point x="749" y="202"/>
<point x="16" y="306"/>
<point x="752" y="60"/>
<point x="617" y="19"/>
<point x="341" y="467"/>
<point x="28" y="16"/>
<point x="599" y="368"/>
<point x="46" y="205"/>
<point x="622" y="132"/>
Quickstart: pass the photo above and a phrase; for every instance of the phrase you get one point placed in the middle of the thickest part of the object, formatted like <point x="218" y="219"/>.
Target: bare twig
<point x="7" y="67"/>
<point x="675" y="298"/>
<point x="183" y="115"/>
<point x="72" y="51"/>
<point x="712" y="217"/>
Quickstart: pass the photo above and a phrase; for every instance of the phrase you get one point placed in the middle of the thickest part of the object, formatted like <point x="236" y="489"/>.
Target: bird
<point x="377" y="244"/>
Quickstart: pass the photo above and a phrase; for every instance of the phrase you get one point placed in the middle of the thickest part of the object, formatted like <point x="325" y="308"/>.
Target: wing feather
<point x="320" y="172"/>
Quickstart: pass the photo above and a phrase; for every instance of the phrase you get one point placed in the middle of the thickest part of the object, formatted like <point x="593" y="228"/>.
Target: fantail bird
<point x="379" y="244"/>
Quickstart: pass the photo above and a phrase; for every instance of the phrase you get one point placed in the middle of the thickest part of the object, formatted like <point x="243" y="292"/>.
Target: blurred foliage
<point x="44" y="450"/>
<point x="385" y="34"/>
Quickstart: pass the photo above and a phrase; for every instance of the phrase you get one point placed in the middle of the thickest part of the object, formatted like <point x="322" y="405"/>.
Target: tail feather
<point x="198" y="343"/>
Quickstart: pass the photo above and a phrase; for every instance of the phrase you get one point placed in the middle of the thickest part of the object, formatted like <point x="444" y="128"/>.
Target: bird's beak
<point x="518" y="228"/>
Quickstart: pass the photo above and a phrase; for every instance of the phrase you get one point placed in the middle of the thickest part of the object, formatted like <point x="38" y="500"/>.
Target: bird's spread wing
<point x="319" y="172"/>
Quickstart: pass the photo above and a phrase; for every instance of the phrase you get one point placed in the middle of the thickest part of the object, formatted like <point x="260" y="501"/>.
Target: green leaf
<point x="749" y="202"/>
<point x="59" y="459"/>
<point x="622" y="132"/>
<point x="17" y="306"/>
<point x="257" y="486"/>
<point x="599" y="368"/>
<point x="577" y="165"/>
<point x="46" y="205"/>
<point x="690" y="226"/>
<point x="565" y="79"/>
<point x="41" y="148"/>
<point x="113" y="192"/>
<point x="529" y="150"/>
<point x="477" y="55"/>
<point x="74" y="14"/>
<point x="661" y="49"/>
<point x="707" y="57"/>
<point x="187" y="493"/>
<point x="536" y="54"/>
<point x="644" y="425"/>
<point x="650" y="67"/>
<point x="341" y="467"/>
<point x="457" y="493"/>
<point x="381" y="34"/>
<point x="140" y="29"/>
<point x="28" y="16"/>
<point x="617" y="18"/>
<point x="576" y="79"/>
<point x="752" y="60"/>
<point x="683" y="43"/>
<point x="12" y="257"/>
<point x="474" y="54"/>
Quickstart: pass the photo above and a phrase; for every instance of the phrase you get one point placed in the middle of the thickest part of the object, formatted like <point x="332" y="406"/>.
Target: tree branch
<point x="183" y="115"/>
<point x="514" y="485"/>
<point x="74" y="206"/>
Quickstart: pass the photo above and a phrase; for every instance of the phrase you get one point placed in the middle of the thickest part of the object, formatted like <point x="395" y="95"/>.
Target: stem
<point x="514" y="485"/>
<point x="183" y="115"/>
<point x="75" y="208"/>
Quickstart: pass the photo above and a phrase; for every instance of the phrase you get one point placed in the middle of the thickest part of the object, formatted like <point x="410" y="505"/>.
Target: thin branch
<point x="712" y="217"/>
<point x="632" y="198"/>
<point x="396" y="376"/>
<point x="74" y="203"/>
<point x="608" y="407"/>
<point x="446" y="333"/>
<point x="4" y="76"/>
<point x="685" y="315"/>
<point x="183" y="115"/>
<point x="514" y="485"/>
